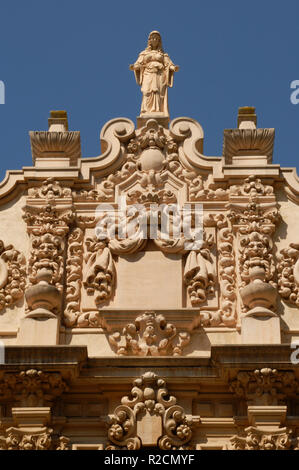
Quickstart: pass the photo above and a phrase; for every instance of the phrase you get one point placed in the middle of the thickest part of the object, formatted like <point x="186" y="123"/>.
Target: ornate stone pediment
<point x="150" y="417"/>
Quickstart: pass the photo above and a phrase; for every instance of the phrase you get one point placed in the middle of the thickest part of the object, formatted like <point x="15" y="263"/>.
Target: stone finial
<point x="58" y="121"/>
<point x="56" y="147"/>
<point x="247" y="117"/>
<point x="247" y="144"/>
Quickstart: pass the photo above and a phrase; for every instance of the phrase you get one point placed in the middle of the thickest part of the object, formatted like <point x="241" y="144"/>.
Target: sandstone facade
<point x="137" y="341"/>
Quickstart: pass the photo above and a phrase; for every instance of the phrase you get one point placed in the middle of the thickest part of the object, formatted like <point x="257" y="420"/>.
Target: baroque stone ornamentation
<point x="265" y="386"/>
<point x="150" y="401"/>
<point x="257" y="141"/>
<point x="48" y="214"/>
<point x="32" y="387"/>
<point x="12" y="275"/>
<point x="255" y="226"/>
<point x="288" y="273"/>
<point x="257" y="439"/>
<point x="252" y="186"/>
<point x="199" y="274"/>
<point x="43" y="439"/>
<point x="99" y="275"/>
<point x="149" y="335"/>
<point x="56" y="143"/>
<point x="73" y="276"/>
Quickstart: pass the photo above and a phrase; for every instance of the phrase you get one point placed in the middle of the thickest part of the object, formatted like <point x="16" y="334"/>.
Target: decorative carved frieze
<point x="252" y="186"/>
<point x="258" y="439"/>
<point x="149" y="335"/>
<point x="265" y="386"/>
<point x="150" y="403"/>
<point x="32" y="387"/>
<point x="288" y="273"/>
<point x="12" y="275"/>
<point x="42" y="439"/>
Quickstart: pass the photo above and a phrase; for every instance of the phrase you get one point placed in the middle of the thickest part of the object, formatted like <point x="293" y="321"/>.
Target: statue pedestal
<point x="38" y="331"/>
<point x="261" y="328"/>
<point x="161" y="118"/>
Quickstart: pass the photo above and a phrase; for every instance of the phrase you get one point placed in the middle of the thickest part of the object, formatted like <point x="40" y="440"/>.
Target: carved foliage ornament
<point x="149" y="335"/>
<point x="43" y="439"/>
<point x="12" y="275"/>
<point x="288" y="273"/>
<point x="257" y="439"/>
<point x="265" y="386"/>
<point x="150" y="401"/>
<point x="32" y="387"/>
<point x="48" y="215"/>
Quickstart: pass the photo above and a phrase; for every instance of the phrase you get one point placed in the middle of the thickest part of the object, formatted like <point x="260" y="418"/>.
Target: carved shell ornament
<point x="12" y="275"/>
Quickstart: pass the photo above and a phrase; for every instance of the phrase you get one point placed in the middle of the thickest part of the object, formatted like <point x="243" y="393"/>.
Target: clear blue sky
<point x="75" y="55"/>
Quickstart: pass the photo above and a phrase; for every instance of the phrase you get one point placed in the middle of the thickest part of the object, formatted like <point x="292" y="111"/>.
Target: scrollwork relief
<point x="149" y="400"/>
<point x="12" y="275"/>
<point x="43" y="439"/>
<point x="149" y="335"/>
<point x="288" y="273"/>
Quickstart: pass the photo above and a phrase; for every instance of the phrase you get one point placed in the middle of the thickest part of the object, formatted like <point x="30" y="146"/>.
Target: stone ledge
<point x="44" y="355"/>
<point x="248" y="356"/>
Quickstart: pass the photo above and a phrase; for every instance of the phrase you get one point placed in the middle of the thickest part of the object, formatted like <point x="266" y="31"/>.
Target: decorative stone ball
<point x="152" y="159"/>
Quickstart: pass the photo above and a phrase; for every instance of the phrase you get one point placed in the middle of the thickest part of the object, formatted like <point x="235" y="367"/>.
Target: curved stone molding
<point x="12" y="275"/>
<point x="149" y="417"/>
<point x="150" y="335"/>
<point x="288" y="273"/>
<point x="113" y="136"/>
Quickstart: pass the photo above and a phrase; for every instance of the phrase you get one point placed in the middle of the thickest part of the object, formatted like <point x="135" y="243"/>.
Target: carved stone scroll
<point x="149" y="407"/>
